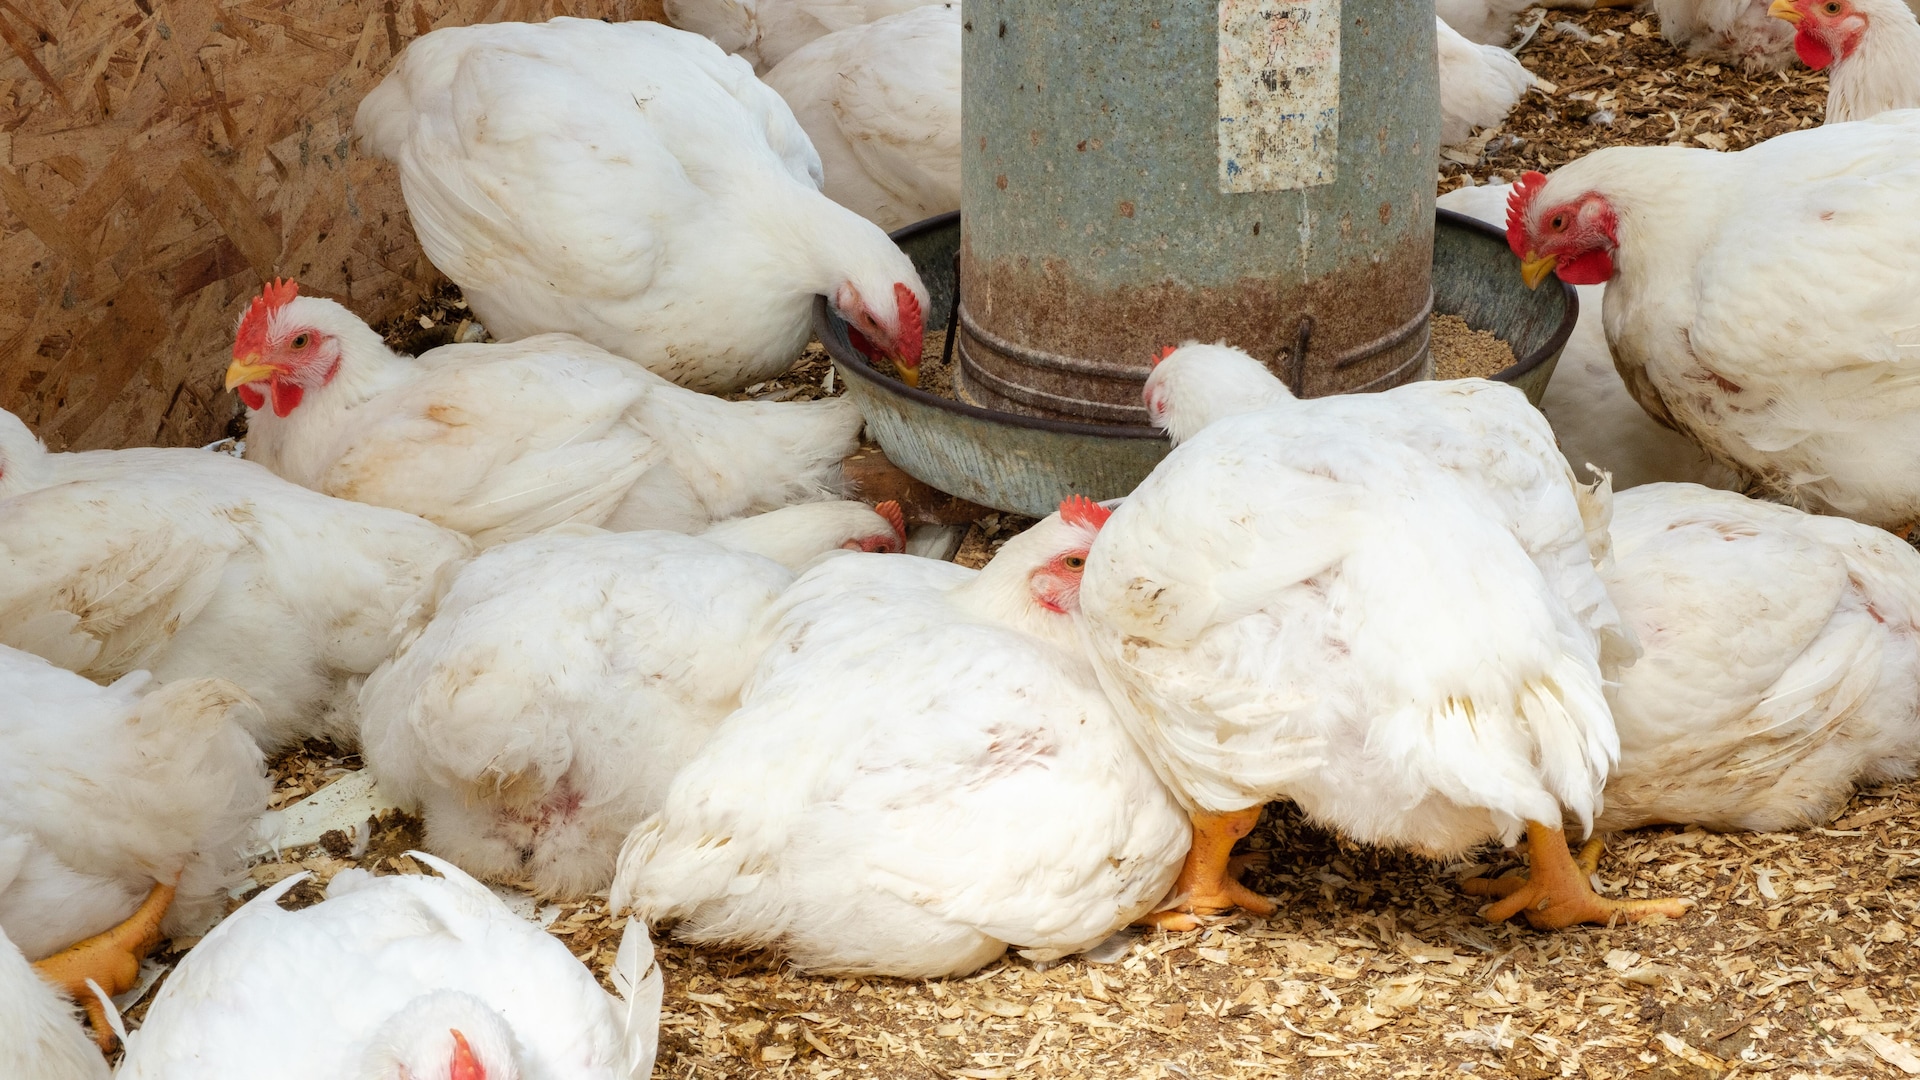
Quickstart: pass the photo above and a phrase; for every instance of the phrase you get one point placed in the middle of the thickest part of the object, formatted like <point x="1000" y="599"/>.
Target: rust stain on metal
<point x="1126" y="208"/>
<point x="1107" y="337"/>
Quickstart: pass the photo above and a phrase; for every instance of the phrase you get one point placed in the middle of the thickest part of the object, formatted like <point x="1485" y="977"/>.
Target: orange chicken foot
<point x="1206" y="885"/>
<point x="1555" y="892"/>
<point x="110" y="958"/>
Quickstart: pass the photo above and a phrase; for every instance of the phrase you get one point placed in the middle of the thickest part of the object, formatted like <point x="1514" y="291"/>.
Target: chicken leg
<point x="1555" y="893"/>
<point x="110" y="958"/>
<point x="1206" y="885"/>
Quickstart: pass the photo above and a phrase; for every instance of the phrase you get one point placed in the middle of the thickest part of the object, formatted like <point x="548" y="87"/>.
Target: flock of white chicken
<point x="607" y="632"/>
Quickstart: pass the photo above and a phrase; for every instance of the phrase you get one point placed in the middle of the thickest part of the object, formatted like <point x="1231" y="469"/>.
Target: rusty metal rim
<point x="1526" y="364"/>
<point x="1040" y="399"/>
<point x="1367" y="350"/>
<point x="1040" y="357"/>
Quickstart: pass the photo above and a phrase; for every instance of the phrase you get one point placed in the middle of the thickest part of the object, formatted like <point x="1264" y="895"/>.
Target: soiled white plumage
<point x="1382" y="606"/>
<point x="564" y="679"/>
<point x="192" y="564"/>
<point x="500" y="441"/>
<point x="881" y="103"/>
<point x="1767" y="303"/>
<point x="877" y="805"/>
<point x="633" y="185"/>
<point x="1781" y="664"/>
<point x="766" y="32"/>
<point x="1595" y="420"/>
<point x="1479" y="85"/>
<point x="107" y="790"/>
<point x="370" y="984"/>
<point x="42" y="1036"/>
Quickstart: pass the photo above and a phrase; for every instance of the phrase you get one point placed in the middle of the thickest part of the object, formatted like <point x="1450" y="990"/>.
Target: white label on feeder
<point x="1279" y="93"/>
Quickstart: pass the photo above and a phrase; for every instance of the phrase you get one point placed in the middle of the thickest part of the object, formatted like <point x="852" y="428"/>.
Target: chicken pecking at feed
<point x="122" y="813"/>
<point x="1381" y="606"/>
<point x="404" y="977"/>
<point x="1871" y="48"/>
<point x="564" y="679"/>
<point x="881" y="103"/>
<point x="634" y="186"/>
<point x="501" y="441"/>
<point x="877" y="806"/>
<point x="1765" y="303"/>
<point x="190" y="564"/>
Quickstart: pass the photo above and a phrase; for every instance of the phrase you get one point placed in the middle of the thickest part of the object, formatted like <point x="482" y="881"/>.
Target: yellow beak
<point x="240" y="373"/>
<point x="908" y="375"/>
<point x="1784" y="9"/>
<point x="1535" y="270"/>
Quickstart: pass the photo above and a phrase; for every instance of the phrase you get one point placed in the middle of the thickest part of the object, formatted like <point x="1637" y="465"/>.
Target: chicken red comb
<point x="891" y="511"/>
<point x="252" y="336"/>
<point x="1518" y="200"/>
<point x="464" y="1066"/>
<point x="913" y="326"/>
<point x="1082" y="511"/>
<point x="1165" y="351"/>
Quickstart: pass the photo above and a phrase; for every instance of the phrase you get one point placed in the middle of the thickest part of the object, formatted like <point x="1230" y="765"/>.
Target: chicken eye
<point x="1074" y="562"/>
<point x="300" y="341"/>
<point x="1559" y="221"/>
<point x="1832" y="8"/>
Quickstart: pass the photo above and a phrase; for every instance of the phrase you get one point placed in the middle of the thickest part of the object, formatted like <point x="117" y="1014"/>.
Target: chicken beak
<point x="240" y="372"/>
<point x="1535" y="270"/>
<point x="1784" y="9"/>
<point x="908" y="374"/>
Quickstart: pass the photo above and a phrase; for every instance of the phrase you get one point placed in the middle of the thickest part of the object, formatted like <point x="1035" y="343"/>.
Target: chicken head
<point x="892" y="328"/>
<point x="446" y="1035"/>
<point x="270" y="351"/>
<point x="1823" y="30"/>
<point x="1055" y="583"/>
<point x="883" y="543"/>
<point x="1574" y="238"/>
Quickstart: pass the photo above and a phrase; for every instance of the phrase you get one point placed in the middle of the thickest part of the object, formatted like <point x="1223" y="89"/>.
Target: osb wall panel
<point x="159" y="160"/>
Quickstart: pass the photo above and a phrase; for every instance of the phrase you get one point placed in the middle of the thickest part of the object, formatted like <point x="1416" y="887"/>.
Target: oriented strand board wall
<point x="159" y="159"/>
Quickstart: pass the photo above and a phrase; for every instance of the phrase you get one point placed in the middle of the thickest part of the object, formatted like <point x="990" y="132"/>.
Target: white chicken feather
<point x="881" y="103"/>
<point x="108" y="791"/>
<point x="400" y="976"/>
<point x="634" y="186"/>
<point x="1781" y="665"/>
<point x="38" y="1028"/>
<point x="564" y="679"/>
<point x="501" y="441"/>
<point x="876" y="806"/>
<point x="1766" y="303"/>
<point x="1479" y="85"/>
<point x="766" y="32"/>
<point x="191" y="564"/>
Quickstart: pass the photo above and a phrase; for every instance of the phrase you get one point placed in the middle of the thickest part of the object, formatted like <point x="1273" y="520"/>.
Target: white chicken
<point x="37" y="1026"/>
<point x="1766" y="303"/>
<point x="190" y="564"/>
<point x="1746" y="32"/>
<point x="122" y="811"/>
<point x="880" y="807"/>
<point x="1595" y="421"/>
<point x="1781" y="664"/>
<point x="632" y="185"/>
<point x="881" y="103"/>
<point x="1479" y="85"/>
<point x="405" y="977"/>
<point x="502" y="441"/>
<point x="565" y="678"/>
<point x="1483" y="22"/>
<point x="1870" y="47"/>
<point x="766" y="32"/>
<point x="1382" y="606"/>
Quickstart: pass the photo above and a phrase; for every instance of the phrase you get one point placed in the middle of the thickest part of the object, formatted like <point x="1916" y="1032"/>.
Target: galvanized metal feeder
<point x="1253" y="171"/>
